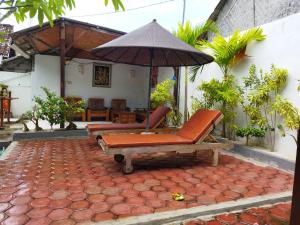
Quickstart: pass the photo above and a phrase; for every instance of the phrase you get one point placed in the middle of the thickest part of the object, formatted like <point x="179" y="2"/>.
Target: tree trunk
<point x="223" y="122"/>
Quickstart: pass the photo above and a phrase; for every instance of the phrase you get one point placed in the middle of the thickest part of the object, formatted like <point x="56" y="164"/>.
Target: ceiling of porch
<point x="80" y="38"/>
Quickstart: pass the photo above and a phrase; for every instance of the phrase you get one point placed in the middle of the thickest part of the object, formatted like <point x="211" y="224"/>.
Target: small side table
<point x="125" y="117"/>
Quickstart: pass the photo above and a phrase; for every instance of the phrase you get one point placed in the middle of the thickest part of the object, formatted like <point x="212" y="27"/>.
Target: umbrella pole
<point x="149" y="90"/>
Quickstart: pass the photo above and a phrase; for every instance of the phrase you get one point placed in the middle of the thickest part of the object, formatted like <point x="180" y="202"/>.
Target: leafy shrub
<point x="56" y="110"/>
<point x="262" y="102"/>
<point x="51" y="108"/>
<point x="33" y="115"/>
<point x="69" y="109"/>
<point x="162" y="94"/>
<point x="224" y="95"/>
<point x="249" y="132"/>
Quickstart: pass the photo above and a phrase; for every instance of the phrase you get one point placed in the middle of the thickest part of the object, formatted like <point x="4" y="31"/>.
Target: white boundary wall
<point x="281" y="47"/>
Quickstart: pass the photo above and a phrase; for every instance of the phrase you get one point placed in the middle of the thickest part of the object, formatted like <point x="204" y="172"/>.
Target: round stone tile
<point x="82" y="215"/>
<point x="114" y="199"/>
<point x="16" y="220"/>
<point x="96" y="198"/>
<point x="61" y="194"/>
<point x="100" y="207"/>
<point x="39" y="212"/>
<point x="111" y="191"/>
<point x="141" y="210"/>
<point x="5" y="197"/>
<point x="79" y="205"/>
<point x="141" y="187"/>
<point x="60" y="214"/>
<point x="155" y="203"/>
<point x="63" y="222"/>
<point x="4" y="206"/>
<point x="77" y="196"/>
<point x="59" y="203"/>
<point x="103" y="216"/>
<point x="40" y="202"/>
<point x="20" y="200"/>
<point x="93" y="190"/>
<point x="129" y="193"/>
<point x="121" y="209"/>
<point x="17" y="210"/>
<point x="39" y="221"/>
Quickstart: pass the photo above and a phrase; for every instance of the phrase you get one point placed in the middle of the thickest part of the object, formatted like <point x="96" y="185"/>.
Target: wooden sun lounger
<point x="155" y="119"/>
<point x="189" y="139"/>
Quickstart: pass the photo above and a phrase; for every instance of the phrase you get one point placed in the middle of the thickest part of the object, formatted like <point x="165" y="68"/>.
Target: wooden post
<point x="2" y="110"/>
<point x="176" y="86"/>
<point x="62" y="58"/>
<point x="295" y="215"/>
<point x="9" y="106"/>
<point x="62" y="35"/>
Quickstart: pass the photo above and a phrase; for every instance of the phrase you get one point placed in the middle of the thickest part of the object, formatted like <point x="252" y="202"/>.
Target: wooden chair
<point x="96" y="109"/>
<point x="71" y="99"/>
<point x="155" y="120"/>
<point x="117" y="105"/>
<point x="188" y="139"/>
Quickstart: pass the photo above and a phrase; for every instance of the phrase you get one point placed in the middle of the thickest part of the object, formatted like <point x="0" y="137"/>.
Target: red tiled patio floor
<point x="68" y="181"/>
<point x="276" y="215"/>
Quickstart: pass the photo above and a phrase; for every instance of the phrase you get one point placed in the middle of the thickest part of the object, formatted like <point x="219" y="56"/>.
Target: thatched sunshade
<point x="151" y="45"/>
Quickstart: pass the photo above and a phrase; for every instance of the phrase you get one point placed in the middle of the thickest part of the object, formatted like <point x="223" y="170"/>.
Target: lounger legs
<point x="127" y="167"/>
<point x="119" y="158"/>
<point x="215" y="159"/>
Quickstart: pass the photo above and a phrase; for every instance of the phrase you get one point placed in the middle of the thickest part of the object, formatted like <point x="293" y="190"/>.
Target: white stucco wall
<point x="129" y="82"/>
<point x="281" y="48"/>
<point x="20" y="87"/>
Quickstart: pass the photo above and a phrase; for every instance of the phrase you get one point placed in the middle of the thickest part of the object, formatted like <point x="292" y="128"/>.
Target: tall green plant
<point x="223" y="95"/>
<point x="263" y="103"/>
<point x="162" y="96"/>
<point x="191" y="35"/>
<point x="227" y="53"/>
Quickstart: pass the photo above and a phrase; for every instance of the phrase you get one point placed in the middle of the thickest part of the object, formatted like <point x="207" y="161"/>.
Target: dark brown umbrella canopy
<point x="151" y="42"/>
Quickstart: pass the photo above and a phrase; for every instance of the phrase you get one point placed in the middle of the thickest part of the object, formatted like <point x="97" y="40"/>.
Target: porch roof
<point x="80" y="38"/>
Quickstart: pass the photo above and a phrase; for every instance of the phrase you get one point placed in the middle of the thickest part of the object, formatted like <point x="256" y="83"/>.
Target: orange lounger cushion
<point x="198" y="124"/>
<point x="136" y="140"/>
<point x="115" y="126"/>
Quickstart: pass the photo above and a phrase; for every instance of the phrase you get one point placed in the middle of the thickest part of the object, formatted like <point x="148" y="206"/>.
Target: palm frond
<point x="194" y="71"/>
<point x="227" y="52"/>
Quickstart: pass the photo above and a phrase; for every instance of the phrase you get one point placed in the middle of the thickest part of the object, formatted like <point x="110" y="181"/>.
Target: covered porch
<point x="62" y="62"/>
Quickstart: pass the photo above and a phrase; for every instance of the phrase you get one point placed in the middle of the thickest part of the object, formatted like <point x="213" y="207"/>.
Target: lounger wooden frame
<point x="125" y="153"/>
<point x="136" y="131"/>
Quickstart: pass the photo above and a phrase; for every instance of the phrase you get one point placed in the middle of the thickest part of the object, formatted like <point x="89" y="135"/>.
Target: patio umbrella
<point x="151" y="45"/>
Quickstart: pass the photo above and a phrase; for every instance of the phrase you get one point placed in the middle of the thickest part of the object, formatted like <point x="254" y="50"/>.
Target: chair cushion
<point x="198" y="124"/>
<point x="114" y="126"/>
<point x="118" y="104"/>
<point x="156" y="116"/>
<point x="136" y="140"/>
<point x="96" y="104"/>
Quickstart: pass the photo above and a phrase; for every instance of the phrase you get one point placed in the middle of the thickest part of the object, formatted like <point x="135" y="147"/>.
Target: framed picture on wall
<point x="102" y="75"/>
